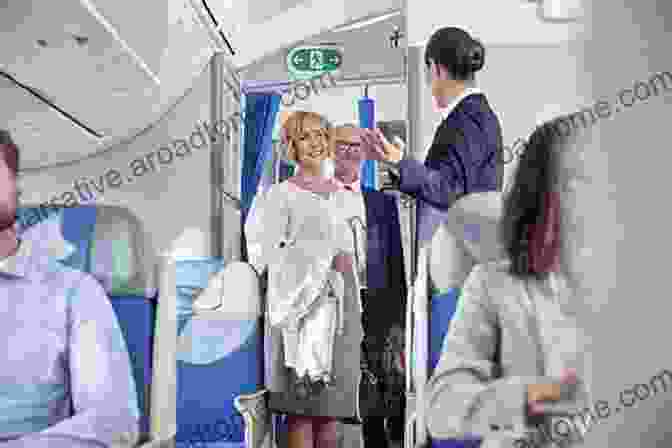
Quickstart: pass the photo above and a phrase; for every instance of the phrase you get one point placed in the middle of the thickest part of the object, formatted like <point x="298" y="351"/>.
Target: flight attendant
<point x="465" y="155"/>
<point x="467" y="145"/>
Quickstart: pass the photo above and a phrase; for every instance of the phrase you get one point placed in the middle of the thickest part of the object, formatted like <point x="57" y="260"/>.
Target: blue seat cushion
<point x="443" y="307"/>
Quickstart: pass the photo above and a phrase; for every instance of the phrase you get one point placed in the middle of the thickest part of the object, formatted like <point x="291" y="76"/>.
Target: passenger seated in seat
<point x="295" y="230"/>
<point x="66" y="377"/>
<point x="513" y="358"/>
<point x="381" y="270"/>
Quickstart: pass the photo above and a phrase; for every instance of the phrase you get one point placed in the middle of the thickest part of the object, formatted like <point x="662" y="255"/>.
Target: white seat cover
<point x="468" y="236"/>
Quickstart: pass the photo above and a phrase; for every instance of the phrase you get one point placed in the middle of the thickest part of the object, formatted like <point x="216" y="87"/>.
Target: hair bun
<point x="476" y="56"/>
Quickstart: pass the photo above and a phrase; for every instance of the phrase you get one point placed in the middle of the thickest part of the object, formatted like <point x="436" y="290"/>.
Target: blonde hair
<point x="294" y="126"/>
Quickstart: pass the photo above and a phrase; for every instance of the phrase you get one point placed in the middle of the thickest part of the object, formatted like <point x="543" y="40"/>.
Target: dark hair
<point x="532" y="205"/>
<point x="457" y="51"/>
<point x="9" y="151"/>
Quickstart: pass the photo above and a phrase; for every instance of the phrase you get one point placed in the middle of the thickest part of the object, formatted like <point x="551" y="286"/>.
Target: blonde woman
<point x="296" y="234"/>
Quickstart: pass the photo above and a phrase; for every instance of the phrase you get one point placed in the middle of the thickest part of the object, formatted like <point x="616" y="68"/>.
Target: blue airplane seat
<point x="110" y="244"/>
<point x="219" y="354"/>
<point x="442" y="308"/>
<point x="467" y="236"/>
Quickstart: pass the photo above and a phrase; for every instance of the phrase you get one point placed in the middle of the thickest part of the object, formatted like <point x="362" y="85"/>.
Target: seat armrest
<point x="163" y="415"/>
<point x="257" y="417"/>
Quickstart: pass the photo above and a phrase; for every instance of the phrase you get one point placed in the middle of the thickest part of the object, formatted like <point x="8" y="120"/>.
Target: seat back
<point x="219" y="348"/>
<point x="468" y="235"/>
<point x="110" y="244"/>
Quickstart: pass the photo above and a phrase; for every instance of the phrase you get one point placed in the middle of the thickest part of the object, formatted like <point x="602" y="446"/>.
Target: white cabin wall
<point x="504" y="22"/>
<point x="170" y="201"/>
<point x="628" y="222"/>
<point x="527" y="85"/>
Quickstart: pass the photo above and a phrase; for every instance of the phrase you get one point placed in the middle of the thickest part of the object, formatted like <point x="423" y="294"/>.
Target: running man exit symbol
<point x="316" y="60"/>
<point x="308" y="62"/>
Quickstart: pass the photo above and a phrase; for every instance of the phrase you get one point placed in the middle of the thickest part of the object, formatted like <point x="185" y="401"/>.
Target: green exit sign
<point x="308" y="62"/>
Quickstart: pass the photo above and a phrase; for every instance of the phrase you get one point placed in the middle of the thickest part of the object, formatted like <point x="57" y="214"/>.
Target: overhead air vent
<point x="81" y="40"/>
<point x="560" y="11"/>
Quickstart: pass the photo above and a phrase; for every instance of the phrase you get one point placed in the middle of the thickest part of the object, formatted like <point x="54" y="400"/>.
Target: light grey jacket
<point x="531" y="328"/>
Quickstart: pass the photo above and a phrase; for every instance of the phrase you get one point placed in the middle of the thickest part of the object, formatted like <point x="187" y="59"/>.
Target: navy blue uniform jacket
<point x="465" y="157"/>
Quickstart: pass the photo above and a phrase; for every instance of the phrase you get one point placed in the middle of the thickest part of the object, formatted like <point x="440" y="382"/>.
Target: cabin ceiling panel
<point x="144" y="25"/>
<point x="44" y="135"/>
<point x="168" y="36"/>
<point x="114" y="66"/>
<point x="259" y="11"/>
<point x="79" y="63"/>
<point x="231" y="17"/>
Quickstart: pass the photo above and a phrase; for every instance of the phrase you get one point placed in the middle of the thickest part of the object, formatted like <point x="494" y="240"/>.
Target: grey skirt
<point x="340" y="399"/>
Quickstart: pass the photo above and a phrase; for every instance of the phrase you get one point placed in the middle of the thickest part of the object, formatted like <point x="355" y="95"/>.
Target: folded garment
<point x="309" y="342"/>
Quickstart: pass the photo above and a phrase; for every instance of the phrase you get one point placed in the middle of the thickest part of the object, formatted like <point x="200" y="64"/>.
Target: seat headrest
<point x="121" y="253"/>
<point x="109" y="243"/>
<point x="468" y="236"/>
<point x="234" y="289"/>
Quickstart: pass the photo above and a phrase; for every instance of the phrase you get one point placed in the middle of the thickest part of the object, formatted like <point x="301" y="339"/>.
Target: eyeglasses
<point x="344" y="147"/>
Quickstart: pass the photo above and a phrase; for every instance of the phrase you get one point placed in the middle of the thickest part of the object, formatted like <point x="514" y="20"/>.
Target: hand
<point x="376" y="147"/>
<point x="538" y="393"/>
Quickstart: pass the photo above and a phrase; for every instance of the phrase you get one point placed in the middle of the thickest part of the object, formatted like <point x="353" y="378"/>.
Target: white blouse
<point x="295" y="234"/>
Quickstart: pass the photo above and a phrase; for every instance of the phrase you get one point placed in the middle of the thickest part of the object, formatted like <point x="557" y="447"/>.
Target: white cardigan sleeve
<point x="465" y="397"/>
<point x="266" y="227"/>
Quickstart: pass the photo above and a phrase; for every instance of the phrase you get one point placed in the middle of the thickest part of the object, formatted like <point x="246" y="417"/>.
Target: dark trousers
<point x="373" y="432"/>
<point x="380" y="314"/>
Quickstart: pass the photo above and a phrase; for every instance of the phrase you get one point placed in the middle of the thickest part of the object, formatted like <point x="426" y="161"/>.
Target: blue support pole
<point x="367" y="119"/>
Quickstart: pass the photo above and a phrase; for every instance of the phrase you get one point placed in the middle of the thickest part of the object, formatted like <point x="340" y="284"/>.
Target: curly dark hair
<point x="9" y="151"/>
<point x="532" y="206"/>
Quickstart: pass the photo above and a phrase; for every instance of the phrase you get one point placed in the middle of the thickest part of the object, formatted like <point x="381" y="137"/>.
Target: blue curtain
<point x="259" y="116"/>
<point x="258" y="122"/>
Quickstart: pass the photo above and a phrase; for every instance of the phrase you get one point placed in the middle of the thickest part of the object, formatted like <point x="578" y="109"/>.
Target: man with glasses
<point x="380" y="264"/>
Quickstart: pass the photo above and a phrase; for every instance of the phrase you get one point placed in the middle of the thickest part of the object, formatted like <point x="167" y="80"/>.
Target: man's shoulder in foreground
<point x="44" y="269"/>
